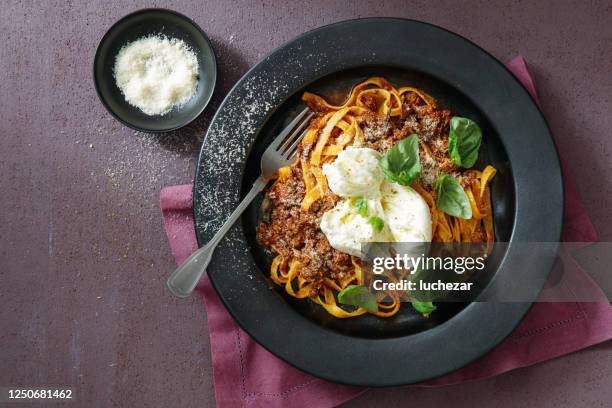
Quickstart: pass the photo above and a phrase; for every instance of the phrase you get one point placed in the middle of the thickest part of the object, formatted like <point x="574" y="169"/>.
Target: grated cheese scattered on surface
<point x="156" y="74"/>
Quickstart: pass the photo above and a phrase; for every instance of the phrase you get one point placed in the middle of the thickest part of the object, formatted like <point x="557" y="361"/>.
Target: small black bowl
<point x="144" y="23"/>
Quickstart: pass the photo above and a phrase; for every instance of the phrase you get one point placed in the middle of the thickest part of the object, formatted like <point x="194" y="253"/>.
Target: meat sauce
<point x="295" y="234"/>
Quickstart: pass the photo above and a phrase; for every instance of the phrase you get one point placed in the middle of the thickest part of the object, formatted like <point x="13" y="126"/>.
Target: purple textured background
<point x="83" y="256"/>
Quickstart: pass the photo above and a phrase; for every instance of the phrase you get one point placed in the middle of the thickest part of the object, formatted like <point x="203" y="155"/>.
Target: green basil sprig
<point x="361" y="204"/>
<point x="423" y="307"/>
<point x="377" y="223"/>
<point x="464" y="141"/>
<point x="451" y="197"/>
<point x="358" y="295"/>
<point x="401" y="164"/>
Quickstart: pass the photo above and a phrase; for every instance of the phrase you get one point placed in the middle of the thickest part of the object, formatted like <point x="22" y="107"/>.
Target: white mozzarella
<point x="355" y="173"/>
<point x="346" y="230"/>
<point x="406" y="213"/>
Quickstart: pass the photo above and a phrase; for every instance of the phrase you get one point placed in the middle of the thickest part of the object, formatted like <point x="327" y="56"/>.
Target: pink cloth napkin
<point x="245" y="374"/>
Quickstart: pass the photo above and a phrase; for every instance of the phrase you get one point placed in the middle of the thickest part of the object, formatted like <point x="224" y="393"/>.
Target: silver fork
<point x="280" y="153"/>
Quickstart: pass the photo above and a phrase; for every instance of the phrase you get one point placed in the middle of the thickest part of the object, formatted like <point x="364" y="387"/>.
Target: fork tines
<point x="287" y="141"/>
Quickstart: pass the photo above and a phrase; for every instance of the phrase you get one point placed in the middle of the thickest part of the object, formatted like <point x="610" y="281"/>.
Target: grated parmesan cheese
<point x="156" y="74"/>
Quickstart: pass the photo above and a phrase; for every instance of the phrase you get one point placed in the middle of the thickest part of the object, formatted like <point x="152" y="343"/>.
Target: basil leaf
<point x="377" y="223"/>
<point x="423" y="307"/>
<point x="401" y="164"/>
<point x="451" y="197"/>
<point x="362" y="206"/>
<point x="358" y="295"/>
<point x="464" y="141"/>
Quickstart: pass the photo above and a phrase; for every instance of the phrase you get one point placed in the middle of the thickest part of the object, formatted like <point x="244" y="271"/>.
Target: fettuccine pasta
<point x="375" y="115"/>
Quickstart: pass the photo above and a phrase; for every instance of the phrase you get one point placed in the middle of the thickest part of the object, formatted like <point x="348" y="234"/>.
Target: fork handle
<point x="184" y="279"/>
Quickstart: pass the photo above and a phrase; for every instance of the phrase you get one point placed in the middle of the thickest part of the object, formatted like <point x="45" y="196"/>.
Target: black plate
<point x="143" y="23"/>
<point x="527" y="190"/>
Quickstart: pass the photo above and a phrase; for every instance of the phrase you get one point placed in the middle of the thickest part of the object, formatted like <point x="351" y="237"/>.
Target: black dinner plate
<point x="143" y="23"/>
<point x="367" y="350"/>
